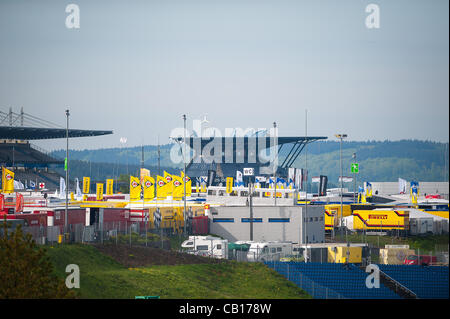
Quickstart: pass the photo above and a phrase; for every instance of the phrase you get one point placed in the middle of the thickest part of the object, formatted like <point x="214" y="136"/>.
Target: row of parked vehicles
<point x="210" y="246"/>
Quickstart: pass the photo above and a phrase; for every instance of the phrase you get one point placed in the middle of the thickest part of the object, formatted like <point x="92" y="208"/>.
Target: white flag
<point x="402" y="184"/>
<point x="62" y="188"/>
<point x="298" y="178"/>
<point x="78" y="188"/>
<point x="239" y="179"/>
<point x="18" y="185"/>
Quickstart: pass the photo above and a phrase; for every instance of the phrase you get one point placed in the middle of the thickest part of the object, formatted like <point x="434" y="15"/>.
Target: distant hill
<point x="379" y="161"/>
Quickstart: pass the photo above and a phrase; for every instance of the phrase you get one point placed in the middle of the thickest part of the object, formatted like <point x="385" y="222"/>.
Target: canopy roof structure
<point x="38" y="133"/>
<point x="236" y="153"/>
<point x="294" y="144"/>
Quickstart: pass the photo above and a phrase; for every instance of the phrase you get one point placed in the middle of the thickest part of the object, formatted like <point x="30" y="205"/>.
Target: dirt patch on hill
<point x="141" y="256"/>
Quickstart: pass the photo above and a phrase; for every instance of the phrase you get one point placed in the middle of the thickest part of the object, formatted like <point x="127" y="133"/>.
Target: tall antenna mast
<point x="306" y="168"/>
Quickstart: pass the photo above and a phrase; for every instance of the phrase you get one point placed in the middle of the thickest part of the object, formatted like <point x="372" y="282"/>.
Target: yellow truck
<point x="333" y="214"/>
<point x="380" y="220"/>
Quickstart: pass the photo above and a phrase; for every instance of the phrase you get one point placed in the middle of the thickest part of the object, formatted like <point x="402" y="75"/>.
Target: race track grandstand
<point x="31" y="164"/>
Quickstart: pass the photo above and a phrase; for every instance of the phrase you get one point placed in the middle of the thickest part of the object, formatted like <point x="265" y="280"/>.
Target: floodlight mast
<point x="66" y="167"/>
<point x="341" y="137"/>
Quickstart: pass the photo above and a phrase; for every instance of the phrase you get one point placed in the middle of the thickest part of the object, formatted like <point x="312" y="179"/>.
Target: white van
<point x="208" y="246"/>
<point x="268" y="251"/>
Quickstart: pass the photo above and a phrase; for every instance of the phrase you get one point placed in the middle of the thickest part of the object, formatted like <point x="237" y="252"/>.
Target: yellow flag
<point x="229" y="184"/>
<point x="188" y="181"/>
<point x="169" y="182"/>
<point x="161" y="187"/>
<point x="135" y="188"/>
<point x="86" y="185"/>
<point x="99" y="191"/>
<point x="7" y="180"/>
<point x="178" y="188"/>
<point x="109" y="186"/>
<point x="149" y="187"/>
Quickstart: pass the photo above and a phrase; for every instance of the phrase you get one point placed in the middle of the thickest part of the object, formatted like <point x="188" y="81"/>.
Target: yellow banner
<point x="188" y="181"/>
<point x="109" y="186"/>
<point x="169" y="182"/>
<point x="86" y="185"/>
<point x="7" y="180"/>
<point x="161" y="187"/>
<point x="99" y="191"/>
<point x="149" y="188"/>
<point x="178" y="188"/>
<point x="135" y="188"/>
<point x="229" y="184"/>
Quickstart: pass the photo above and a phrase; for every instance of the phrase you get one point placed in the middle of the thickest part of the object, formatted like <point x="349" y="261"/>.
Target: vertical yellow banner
<point x="161" y="187"/>
<point x="229" y="184"/>
<point x="178" y="187"/>
<point x="86" y="185"/>
<point x="149" y="188"/>
<point x="7" y="180"/>
<point x="135" y="188"/>
<point x="169" y="182"/>
<point x="99" y="191"/>
<point x="109" y="186"/>
<point x="187" y="180"/>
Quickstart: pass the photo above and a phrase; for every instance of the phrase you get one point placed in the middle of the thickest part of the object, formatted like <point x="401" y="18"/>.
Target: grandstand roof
<point x="38" y="133"/>
<point x="281" y="139"/>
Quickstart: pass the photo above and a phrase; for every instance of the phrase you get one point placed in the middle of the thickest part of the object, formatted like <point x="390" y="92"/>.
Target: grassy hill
<point x="103" y="277"/>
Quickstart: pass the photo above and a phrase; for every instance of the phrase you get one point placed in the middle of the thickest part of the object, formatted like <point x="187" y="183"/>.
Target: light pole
<point x="275" y="167"/>
<point x="341" y="137"/>
<point x="354" y="179"/>
<point x="66" y="167"/>
<point x="184" y="177"/>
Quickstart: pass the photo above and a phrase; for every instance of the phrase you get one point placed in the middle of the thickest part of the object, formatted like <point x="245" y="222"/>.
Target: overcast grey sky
<point x="135" y="67"/>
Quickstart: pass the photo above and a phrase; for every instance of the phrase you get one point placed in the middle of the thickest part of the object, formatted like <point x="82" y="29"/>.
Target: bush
<point x="25" y="269"/>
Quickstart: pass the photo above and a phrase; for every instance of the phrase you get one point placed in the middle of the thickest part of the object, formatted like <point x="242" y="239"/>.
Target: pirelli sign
<point x="378" y="216"/>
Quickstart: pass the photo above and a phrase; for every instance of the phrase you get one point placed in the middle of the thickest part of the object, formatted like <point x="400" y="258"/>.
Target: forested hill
<point x="381" y="161"/>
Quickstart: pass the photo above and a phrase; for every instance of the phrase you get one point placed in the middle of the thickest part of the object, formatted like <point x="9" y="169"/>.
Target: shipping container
<point x="395" y="256"/>
<point x="343" y="254"/>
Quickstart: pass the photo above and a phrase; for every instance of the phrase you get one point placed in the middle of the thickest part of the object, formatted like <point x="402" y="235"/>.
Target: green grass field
<point x="103" y="277"/>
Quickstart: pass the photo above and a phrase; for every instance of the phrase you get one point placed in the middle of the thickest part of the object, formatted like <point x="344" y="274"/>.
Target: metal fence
<point x="314" y="289"/>
<point x="132" y="233"/>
